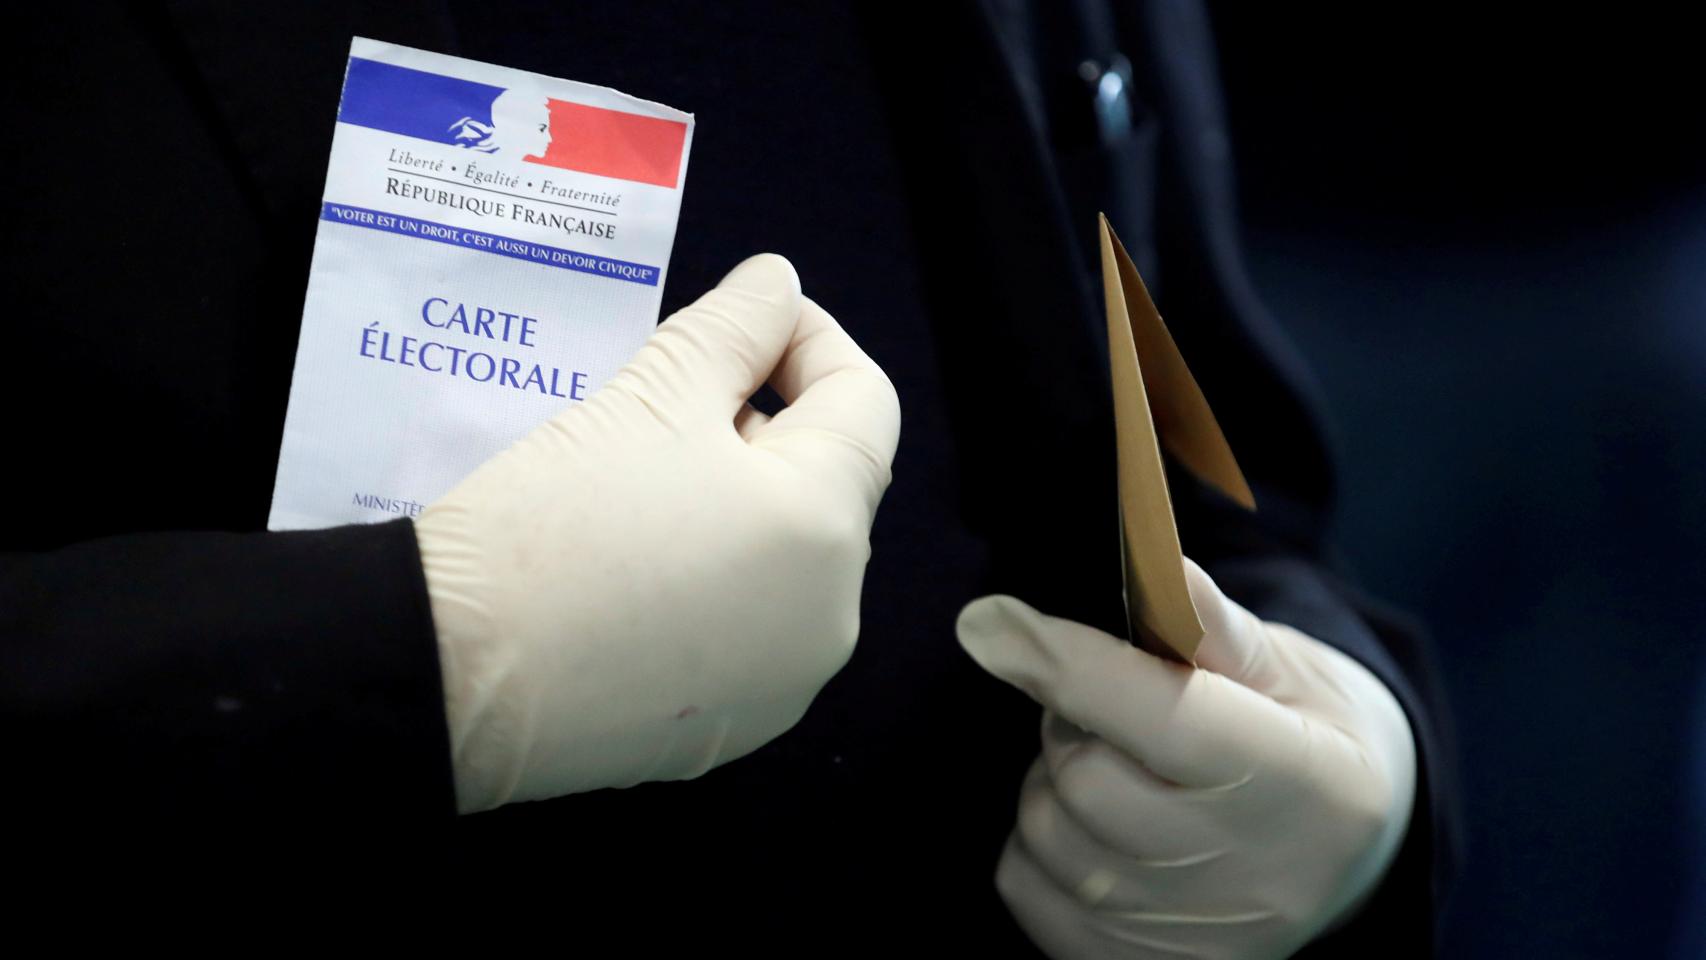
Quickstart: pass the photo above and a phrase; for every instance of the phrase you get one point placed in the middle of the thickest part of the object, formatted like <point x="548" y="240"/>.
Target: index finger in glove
<point x="1190" y="726"/>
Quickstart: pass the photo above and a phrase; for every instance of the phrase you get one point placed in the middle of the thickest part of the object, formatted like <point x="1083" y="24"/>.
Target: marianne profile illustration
<point x="517" y="125"/>
<point x="520" y="127"/>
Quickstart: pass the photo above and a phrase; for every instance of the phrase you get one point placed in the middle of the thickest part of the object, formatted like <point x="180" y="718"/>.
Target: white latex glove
<point x="660" y="579"/>
<point x="1236" y="810"/>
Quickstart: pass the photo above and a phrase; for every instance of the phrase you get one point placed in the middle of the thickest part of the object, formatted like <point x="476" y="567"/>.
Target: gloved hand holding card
<point x="1224" y="792"/>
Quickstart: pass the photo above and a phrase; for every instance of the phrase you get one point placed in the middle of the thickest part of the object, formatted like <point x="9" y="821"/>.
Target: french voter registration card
<point x="492" y="247"/>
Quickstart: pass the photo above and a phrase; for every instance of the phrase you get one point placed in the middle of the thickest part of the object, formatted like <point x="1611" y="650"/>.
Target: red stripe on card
<point x="611" y="143"/>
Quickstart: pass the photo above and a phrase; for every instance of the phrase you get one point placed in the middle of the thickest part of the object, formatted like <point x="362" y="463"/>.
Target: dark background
<point x="1488" y="234"/>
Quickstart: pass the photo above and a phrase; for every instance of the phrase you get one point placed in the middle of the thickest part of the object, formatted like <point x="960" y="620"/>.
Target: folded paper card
<point x="1157" y="405"/>
<point x="491" y="248"/>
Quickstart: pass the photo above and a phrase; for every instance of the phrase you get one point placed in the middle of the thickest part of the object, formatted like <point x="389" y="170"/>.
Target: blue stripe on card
<point x="415" y="103"/>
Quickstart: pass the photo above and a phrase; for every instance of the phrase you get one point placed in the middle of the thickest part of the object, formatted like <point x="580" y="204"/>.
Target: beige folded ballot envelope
<point x="1157" y="404"/>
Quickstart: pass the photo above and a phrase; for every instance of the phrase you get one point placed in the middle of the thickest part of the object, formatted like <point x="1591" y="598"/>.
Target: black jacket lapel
<point x="271" y="71"/>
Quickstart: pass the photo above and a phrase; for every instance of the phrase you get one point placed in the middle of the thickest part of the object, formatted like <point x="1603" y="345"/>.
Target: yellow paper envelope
<point x="1157" y="404"/>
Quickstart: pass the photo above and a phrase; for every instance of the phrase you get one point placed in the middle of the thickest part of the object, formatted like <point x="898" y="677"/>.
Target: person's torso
<point x="174" y="161"/>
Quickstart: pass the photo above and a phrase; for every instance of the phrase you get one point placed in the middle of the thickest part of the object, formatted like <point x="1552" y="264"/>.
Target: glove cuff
<point x="473" y="663"/>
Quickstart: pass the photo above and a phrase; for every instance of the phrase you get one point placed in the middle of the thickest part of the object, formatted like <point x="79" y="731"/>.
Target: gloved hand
<point x="1236" y="810"/>
<point x="660" y="579"/>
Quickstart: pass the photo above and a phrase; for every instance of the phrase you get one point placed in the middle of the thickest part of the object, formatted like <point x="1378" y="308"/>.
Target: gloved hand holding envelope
<point x="1229" y="787"/>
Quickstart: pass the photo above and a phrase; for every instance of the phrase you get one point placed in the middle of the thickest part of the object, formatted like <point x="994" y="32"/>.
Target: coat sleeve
<point x="207" y="680"/>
